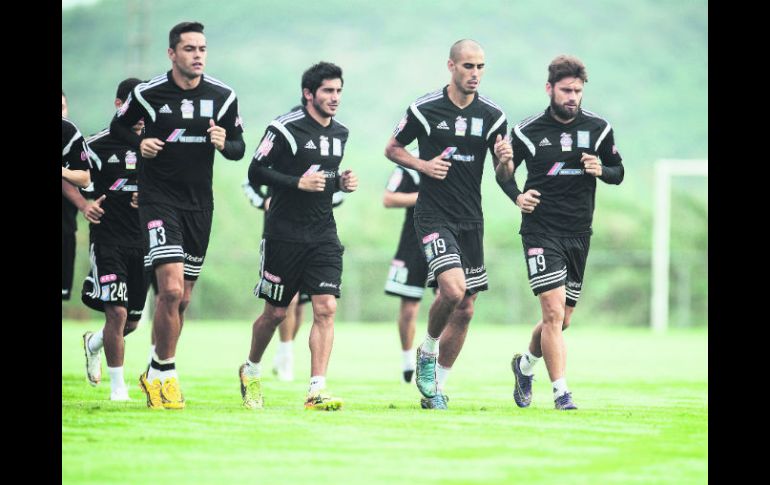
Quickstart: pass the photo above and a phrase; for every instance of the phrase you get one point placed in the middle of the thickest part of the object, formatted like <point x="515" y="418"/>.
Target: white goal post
<point x="664" y="171"/>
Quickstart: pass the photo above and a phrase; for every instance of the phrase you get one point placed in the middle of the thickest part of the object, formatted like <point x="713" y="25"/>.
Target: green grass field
<point x="643" y="414"/>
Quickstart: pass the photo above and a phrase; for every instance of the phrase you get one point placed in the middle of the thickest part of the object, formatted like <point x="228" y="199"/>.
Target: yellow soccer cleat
<point x="171" y="394"/>
<point x="251" y="390"/>
<point x="152" y="390"/>
<point x="321" y="401"/>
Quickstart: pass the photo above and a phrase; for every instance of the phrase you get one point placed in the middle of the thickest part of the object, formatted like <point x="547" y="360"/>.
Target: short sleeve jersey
<point x="468" y="133"/>
<point x="406" y="181"/>
<point x="295" y="144"/>
<point x="181" y="174"/>
<point x="115" y="175"/>
<point x="552" y="152"/>
<point x="74" y="156"/>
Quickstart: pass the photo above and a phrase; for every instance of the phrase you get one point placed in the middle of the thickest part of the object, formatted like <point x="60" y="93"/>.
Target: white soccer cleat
<point x="120" y="395"/>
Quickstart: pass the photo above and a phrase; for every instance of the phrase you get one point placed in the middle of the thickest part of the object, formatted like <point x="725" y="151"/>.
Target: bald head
<point x="464" y="45"/>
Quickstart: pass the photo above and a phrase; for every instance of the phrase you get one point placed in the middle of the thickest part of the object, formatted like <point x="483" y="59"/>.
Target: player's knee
<point x="130" y="327"/>
<point x="324" y="310"/>
<point x="115" y="314"/>
<point x="553" y="315"/>
<point x="170" y="296"/>
<point x="453" y="292"/>
<point x="183" y="305"/>
<point x="274" y="315"/>
<point x="464" y="312"/>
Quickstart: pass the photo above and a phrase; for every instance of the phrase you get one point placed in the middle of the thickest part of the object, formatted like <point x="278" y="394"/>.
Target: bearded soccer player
<point x="566" y="149"/>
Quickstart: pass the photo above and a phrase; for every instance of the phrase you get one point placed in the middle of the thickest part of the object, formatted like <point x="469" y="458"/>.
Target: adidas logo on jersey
<point x="544" y="143"/>
<point x="442" y="126"/>
<point x="113" y="159"/>
<point x="165" y="109"/>
<point x="310" y="145"/>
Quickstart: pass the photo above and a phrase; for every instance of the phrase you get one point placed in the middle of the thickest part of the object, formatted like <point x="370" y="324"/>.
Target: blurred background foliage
<point x="647" y="65"/>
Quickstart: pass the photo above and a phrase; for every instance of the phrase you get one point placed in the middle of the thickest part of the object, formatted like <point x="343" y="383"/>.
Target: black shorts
<point x="67" y="264"/>
<point x="117" y="277"/>
<point x="556" y="261"/>
<point x="288" y="267"/>
<point x="176" y="236"/>
<point x="448" y="245"/>
<point x="408" y="270"/>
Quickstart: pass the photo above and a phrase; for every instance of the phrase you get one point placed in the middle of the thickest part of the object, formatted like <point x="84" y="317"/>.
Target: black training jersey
<point x="74" y="156"/>
<point x="439" y="125"/>
<point x="552" y="152"/>
<point x="181" y="174"/>
<point x="294" y="145"/>
<point x="114" y="175"/>
<point x="406" y="181"/>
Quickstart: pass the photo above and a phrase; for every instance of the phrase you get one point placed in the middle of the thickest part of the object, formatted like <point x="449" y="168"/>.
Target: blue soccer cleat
<point x="522" y="389"/>
<point x="426" y="373"/>
<point x="564" y="402"/>
<point x="439" y="401"/>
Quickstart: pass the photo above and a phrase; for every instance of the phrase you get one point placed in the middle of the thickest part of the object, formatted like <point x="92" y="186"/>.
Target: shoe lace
<point x="172" y="388"/>
<point x="564" y="399"/>
<point x="253" y="388"/>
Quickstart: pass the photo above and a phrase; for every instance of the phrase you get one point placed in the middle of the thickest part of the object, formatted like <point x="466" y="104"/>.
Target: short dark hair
<point x="566" y="66"/>
<point x="175" y="34"/>
<point x="125" y="87"/>
<point x="315" y="75"/>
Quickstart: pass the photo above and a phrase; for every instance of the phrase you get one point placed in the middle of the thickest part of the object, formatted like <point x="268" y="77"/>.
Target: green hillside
<point x="648" y="74"/>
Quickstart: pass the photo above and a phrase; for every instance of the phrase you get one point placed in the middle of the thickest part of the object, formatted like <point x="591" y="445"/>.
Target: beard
<point x="320" y="110"/>
<point x="562" y="112"/>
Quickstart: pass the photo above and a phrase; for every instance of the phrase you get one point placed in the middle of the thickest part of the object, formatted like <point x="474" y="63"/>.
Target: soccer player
<point x="454" y="127"/>
<point x="75" y="172"/>
<point x="300" y="156"/>
<point x="283" y="361"/>
<point x="566" y="148"/>
<point x="117" y="283"/>
<point x="408" y="270"/>
<point x="188" y="116"/>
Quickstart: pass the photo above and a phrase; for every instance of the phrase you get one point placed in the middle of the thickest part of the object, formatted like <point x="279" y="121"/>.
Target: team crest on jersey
<point x="324" y="146"/>
<point x="336" y="147"/>
<point x="614" y="150"/>
<point x="429" y="238"/>
<point x="187" y="109"/>
<point x="130" y="160"/>
<point x="566" y="142"/>
<point x="238" y="121"/>
<point x="124" y="107"/>
<point x="400" y="126"/>
<point x="477" y="126"/>
<point x="83" y="156"/>
<point x="271" y="277"/>
<point x="207" y="107"/>
<point x="584" y="139"/>
<point x="264" y="148"/>
<point x="107" y="278"/>
<point x="461" y="124"/>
